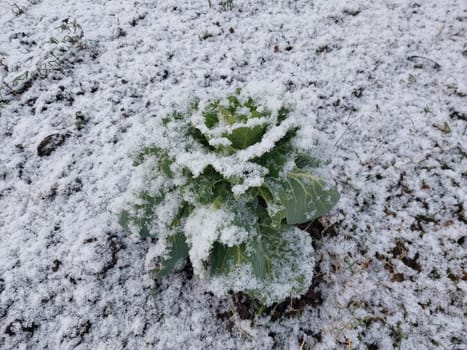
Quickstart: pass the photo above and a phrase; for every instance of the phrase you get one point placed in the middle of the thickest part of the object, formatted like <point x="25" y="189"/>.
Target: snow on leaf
<point x="244" y="137"/>
<point x="225" y="259"/>
<point x="306" y="196"/>
<point x="176" y="256"/>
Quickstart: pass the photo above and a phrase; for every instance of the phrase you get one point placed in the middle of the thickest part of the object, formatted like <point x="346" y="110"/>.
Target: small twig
<point x="436" y="65"/>
<point x="9" y="87"/>
<point x="236" y="319"/>
<point x="346" y="129"/>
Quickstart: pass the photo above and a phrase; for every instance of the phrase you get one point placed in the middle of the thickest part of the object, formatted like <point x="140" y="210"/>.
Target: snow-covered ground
<point x="385" y="82"/>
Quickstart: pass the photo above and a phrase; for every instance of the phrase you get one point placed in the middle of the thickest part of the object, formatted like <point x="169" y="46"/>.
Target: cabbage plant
<point x="223" y="184"/>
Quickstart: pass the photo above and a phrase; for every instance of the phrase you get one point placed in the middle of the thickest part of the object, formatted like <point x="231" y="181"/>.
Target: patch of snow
<point x="382" y="82"/>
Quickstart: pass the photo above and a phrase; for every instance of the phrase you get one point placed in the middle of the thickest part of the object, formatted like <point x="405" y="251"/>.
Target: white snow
<point x="202" y="228"/>
<point x="382" y="82"/>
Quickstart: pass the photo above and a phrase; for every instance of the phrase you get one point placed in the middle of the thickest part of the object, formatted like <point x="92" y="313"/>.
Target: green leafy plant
<point x="224" y="183"/>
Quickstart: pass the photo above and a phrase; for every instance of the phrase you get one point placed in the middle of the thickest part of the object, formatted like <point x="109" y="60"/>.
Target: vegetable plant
<point x="223" y="184"/>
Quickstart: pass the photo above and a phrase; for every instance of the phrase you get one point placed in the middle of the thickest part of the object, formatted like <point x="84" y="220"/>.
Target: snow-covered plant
<point x="223" y="184"/>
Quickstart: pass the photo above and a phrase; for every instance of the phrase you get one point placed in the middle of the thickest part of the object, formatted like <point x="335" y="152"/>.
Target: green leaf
<point x="150" y="201"/>
<point x="234" y="103"/>
<point x="251" y="105"/>
<point x="244" y="137"/>
<point x="173" y="116"/>
<point x="145" y="215"/>
<point x="225" y="259"/>
<point x="305" y="196"/>
<point x="194" y="105"/>
<point x="178" y="116"/>
<point x="198" y="136"/>
<point x="263" y="252"/>
<point x="146" y="152"/>
<point x="210" y="187"/>
<point x="282" y="114"/>
<point x="183" y="212"/>
<point x="304" y="161"/>
<point x="275" y="159"/>
<point x="280" y="259"/>
<point x="164" y="162"/>
<point x="258" y="251"/>
<point x="210" y="117"/>
<point x="124" y="220"/>
<point x="275" y="209"/>
<point x="176" y="257"/>
<point x="261" y="260"/>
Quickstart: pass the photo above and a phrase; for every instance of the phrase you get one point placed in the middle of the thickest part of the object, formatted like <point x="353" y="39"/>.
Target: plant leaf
<point x="164" y="162"/>
<point x="305" y="196"/>
<point x="124" y="220"/>
<point x="176" y="257"/>
<point x="274" y="207"/>
<point x="244" y="137"/>
<point x="209" y="188"/>
<point x="282" y="114"/>
<point x="225" y="259"/>
<point x="258" y="251"/>
<point x="145" y="214"/>
<point x="278" y="262"/>
<point x="144" y="153"/>
<point x="199" y="137"/>
<point x="210" y="116"/>
<point x="183" y="212"/>
<point x="261" y="260"/>
<point x="275" y="159"/>
<point x="304" y="161"/>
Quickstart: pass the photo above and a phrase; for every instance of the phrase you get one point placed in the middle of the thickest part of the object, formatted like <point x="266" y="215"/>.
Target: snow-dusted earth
<point x="384" y="81"/>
